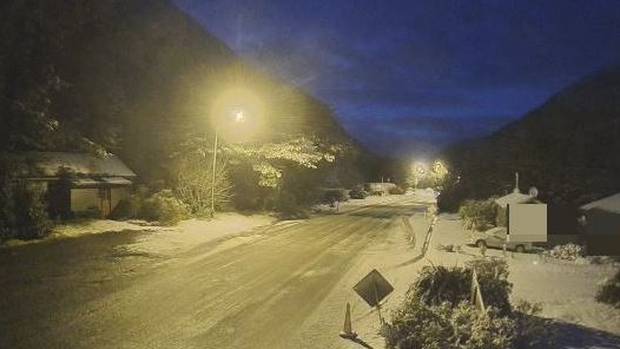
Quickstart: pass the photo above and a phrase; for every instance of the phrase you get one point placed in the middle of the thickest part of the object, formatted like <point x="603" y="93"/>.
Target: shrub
<point x="417" y="326"/>
<point x="494" y="284"/>
<point x="479" y="214"/>
<point x="31" y="217"/>
<point x="532" y="331"/>
<point x="609" y="291"/>
<point x="332" y="196"/>
<point x="24" y="212"/>
<point x="194" y="183"/>
<point x="446" y="248"/>
<point x="450" y="199"/>
<point x="287" y="207"/>
<point x="437" y="285"/>
<point x="567" y="252"/>
<point x="23" y="205"/>
<point x="358" y="193"/>
<point x="437" y="313"/>
<point x="163" y="207"/>
<point x="396" y="191"/>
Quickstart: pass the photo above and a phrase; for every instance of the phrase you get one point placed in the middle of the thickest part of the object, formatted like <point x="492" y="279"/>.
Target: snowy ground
<point x="296" y="274"/>
<point x="566" y="290"/>
<point x="163" y="240"/>
<point x="191" y="233"/>
<point x="422" y="196"/>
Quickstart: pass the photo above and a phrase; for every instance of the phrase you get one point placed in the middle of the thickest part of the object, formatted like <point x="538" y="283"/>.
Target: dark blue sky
<point x="411" y="76"/>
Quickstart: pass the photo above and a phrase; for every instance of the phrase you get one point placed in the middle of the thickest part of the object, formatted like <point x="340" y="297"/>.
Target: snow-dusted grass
<point x="81" y="227"/>
<point x="161" y="240"/>
<point x="191" y="233"/>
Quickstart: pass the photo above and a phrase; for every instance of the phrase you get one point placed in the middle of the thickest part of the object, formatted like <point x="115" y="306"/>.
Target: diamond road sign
<point x="373" y="288"/>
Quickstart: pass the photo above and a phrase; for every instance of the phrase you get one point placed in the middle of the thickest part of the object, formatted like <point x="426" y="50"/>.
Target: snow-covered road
<point x="260" y="289"/>
<point x="283" y="285"/>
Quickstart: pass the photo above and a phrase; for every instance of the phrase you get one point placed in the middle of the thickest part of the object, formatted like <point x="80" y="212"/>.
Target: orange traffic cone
<point x="347" y="331"/>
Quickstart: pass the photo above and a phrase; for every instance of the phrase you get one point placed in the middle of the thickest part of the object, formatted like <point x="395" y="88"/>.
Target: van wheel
<point x="481" y="244"/>
<point x="520" y="248"/>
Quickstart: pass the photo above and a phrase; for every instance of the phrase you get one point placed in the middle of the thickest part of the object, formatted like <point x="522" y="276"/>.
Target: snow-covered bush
<point x="446" y="248"/>
<point x="437" y="313"/>
<point x="288" y="208"/>
<point x="609" y="291"/>
<point x="331" y="196"/>
<point x="358" y="193"/>
<point x="396" y="190"/>
<point x="567" y="252"/>
<point x="416" y="325"/>
<point x="479" y="215"/>
<point x="440" y="284"/>
<point x="163" y="207"/>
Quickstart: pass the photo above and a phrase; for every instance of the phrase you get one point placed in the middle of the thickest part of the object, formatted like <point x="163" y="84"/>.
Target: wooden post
<point x="476" y="294"/>
<point x="378" y="304"/>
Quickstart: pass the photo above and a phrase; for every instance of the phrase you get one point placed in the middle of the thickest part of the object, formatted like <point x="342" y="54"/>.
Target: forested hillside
<point x="132" y="77"/>
<point x="569" y="148"/>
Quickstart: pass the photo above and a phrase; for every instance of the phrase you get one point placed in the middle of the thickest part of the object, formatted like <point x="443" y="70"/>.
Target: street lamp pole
<point x="238" y="117"/>
<point x="213" y="174"/>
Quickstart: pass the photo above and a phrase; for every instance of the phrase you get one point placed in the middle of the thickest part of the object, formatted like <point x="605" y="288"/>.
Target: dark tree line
<point x="568" y="148"/>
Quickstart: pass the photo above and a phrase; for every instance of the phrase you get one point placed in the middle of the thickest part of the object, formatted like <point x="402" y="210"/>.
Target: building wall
<point x="602" y="222"/>
<point x="91" y="199"/>
<point x="84" y="199"/>
<point x="119" y="194"/>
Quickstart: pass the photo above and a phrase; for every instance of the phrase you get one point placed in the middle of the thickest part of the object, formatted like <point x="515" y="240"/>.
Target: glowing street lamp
<point x="234" y="106"/>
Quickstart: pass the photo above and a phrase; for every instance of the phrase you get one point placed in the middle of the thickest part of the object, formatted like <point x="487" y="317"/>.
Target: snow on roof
<point x="610" y="204"/>
<point x="514" y="198"/>
<point x="92" y="182"/>
<point x="116" y="180"/>
<point x="49" y="164"/>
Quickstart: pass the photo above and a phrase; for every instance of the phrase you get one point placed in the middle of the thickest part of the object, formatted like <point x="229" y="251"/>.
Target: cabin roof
<point x="52" y="164"/>
<point x="609" y="204"/>
<point x="514" y="198"/>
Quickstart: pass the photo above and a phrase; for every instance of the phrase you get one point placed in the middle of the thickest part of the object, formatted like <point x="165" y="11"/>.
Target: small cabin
<point x="601" y="225"/>
<point x="80" y="184"/>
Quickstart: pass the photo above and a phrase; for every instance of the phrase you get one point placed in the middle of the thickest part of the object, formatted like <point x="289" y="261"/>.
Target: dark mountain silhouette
<point x="569" y="148"/>
<point x="134" y="77"/>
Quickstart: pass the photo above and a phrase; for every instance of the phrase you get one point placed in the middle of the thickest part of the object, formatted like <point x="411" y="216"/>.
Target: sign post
<point x="373" y="288"/>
